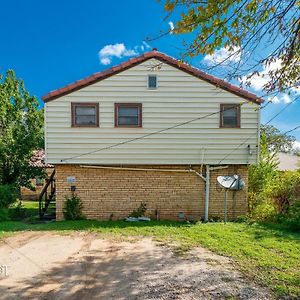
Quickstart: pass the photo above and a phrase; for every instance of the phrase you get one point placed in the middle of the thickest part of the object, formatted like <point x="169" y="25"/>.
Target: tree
<point x="272" y="141"/>
<point x="243" y="27"/>
<point x="21" y="131"/>
<point x="275" y="140"/>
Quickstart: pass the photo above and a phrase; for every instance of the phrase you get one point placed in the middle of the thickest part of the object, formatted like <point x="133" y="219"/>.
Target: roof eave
<point x="144" y="57"/>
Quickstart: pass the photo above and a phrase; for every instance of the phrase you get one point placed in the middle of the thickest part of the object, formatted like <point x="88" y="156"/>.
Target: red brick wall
<point x="119" y="192"/>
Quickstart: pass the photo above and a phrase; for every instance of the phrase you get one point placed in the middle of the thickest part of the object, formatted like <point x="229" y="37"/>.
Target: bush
<point x="140" y="211"/>
<point x="293" y="217"/>
<point x="73" y="208"/>
<point x="3" y="214"/>
<point x="285" y="190"/>
<point x="17" y="211"/>
<point x="264" y="211"/>
<point x="8" y="195"/>
<point x="276" y="202"/>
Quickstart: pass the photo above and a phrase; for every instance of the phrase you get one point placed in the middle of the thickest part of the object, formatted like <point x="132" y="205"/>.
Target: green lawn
<point x="269" y="254"/>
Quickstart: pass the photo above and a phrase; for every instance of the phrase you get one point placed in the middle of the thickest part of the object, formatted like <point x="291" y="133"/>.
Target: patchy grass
<point x="269" y="254"/>
<point x="32" y="207"/>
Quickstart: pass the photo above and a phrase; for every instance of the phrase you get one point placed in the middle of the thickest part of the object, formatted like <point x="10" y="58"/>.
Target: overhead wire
<point x="148" y="134"/>
<point x="252" y="135"/>
<point x="182" y="124"/>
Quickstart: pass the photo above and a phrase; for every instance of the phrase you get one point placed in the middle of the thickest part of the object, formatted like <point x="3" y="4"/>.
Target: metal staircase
<point x="47" y="197"/>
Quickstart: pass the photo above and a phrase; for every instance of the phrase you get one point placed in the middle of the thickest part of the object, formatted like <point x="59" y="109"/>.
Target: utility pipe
<point x="206" y="193"/>
<point x="144" y="169"/>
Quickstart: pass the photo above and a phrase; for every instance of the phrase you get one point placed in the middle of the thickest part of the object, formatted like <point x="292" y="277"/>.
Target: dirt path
<point x="82" y="266"/>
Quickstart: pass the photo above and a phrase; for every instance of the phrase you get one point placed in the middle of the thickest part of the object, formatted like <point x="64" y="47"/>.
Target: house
<point x="288" y="162"/>
<point x="152" y="130"/>
<point x="37" y="161"/>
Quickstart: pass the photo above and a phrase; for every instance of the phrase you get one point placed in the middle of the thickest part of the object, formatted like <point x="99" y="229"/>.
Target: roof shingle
<point x="144" y="57"/>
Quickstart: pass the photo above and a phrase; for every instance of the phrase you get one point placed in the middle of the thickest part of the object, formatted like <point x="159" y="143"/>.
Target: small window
<point x="128" y="114"/>
<point x="39" y="181"/>
<point x="85" y="114"/>
<point x="230" y="115"/>
<point x="152" y="81"/>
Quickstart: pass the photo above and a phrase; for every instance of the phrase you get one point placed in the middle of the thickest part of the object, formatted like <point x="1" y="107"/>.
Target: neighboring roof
<point x="38" y="160"/>
<point x="146" y="56"/>
<point x="288" y="162"/>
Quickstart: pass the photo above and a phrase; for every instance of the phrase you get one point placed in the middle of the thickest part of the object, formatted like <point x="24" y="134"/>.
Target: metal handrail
<point x="44" y="192"/>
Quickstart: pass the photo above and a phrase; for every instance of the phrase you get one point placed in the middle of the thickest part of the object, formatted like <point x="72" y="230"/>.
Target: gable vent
<point x="152" y="81"/>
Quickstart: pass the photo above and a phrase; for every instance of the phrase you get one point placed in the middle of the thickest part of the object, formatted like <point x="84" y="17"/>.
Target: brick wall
<point x="105" y="192"/>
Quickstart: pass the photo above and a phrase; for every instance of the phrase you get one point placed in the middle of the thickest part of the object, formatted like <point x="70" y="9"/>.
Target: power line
<point x="249" y="137"/>
<point x="148" y="134"/>
<point x="178" y="125"/>
<point x="297" y="127"/>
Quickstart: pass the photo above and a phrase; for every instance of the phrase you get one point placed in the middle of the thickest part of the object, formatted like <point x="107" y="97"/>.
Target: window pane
<point x="230" y="116"/>
<point x="230" y="112"/>
<point x="128" y="121"/>
<point x="128" y="112"/>
<point x="85" y="120"/>
<point x="152" y="83"/>
<point x="85" y="110"/>
<point x="230" y="121"/>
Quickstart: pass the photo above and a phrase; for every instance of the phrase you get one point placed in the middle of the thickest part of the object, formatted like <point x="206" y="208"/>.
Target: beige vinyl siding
<point x="180" y="97"/>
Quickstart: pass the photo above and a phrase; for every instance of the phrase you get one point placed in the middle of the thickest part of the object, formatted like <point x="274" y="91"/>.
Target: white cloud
<point x="144" y="46"/>
<point x="119" y="50"/>
<point x="105" y="61"/>
<point x="296" y="145"/>
<point x="285" y="98"/>
<point x="223" y="55"/>
<point x="258" y="81"/>
<point x="171" y="24"/>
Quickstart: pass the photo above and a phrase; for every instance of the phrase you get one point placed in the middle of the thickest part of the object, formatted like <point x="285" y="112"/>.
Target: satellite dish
<point x="233" y="182"/>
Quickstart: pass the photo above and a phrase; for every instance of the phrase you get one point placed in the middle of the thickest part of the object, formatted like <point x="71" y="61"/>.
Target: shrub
<point x="140" y="211"/>
<point x="265" y="211"/>
<point x="293" y="216"/>
<point x="3" y="214"/>
<point x="284" y="191"/>
<point x="73" y="208"/>
<point x="8" y="195"/>
<point x="17" y="211"/>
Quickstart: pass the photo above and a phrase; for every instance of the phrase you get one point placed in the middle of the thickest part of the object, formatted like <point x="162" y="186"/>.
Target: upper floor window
<point x="152" y="82"/>
<point x="85" y="114"/>
<point x="230" y="115"/>
<point x="128" y="114"/>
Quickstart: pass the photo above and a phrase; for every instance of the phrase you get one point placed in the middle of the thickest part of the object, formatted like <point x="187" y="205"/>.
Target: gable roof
<point x="144" y="57"/>
<point x="288" y="162"/>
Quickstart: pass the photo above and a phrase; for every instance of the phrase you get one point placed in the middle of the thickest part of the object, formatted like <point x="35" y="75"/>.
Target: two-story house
<point x="152" y="130"/>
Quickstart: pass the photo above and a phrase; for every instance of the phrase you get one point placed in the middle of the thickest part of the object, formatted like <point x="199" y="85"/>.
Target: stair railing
<point x="45" y="197"/>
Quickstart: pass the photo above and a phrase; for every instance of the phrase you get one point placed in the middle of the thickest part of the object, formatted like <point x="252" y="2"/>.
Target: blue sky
<point x="52" y="43"/>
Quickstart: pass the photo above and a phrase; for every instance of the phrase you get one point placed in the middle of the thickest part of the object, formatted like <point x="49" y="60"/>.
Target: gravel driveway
<point x="44" y="265"/>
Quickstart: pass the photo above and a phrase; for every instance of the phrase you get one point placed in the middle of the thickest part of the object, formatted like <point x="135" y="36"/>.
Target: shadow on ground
<point x="106" y="269"/>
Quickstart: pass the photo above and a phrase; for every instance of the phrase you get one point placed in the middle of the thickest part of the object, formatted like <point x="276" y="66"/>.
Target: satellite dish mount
<point x="234" y="183"/>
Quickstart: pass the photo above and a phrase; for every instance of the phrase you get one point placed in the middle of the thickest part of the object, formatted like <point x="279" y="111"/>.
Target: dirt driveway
<point x="43" y="265"/>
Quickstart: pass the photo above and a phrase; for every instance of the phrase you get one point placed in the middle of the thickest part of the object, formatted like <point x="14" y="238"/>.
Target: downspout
<point x="206" y="193"/>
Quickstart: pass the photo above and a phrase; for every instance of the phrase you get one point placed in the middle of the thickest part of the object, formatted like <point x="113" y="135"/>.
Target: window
<point x="85" y="114"/>
<point x="128" y="114"/>
<point x="152" y="82"/>
<point x="39" y="181"/>
<point x="230" y="115"/>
